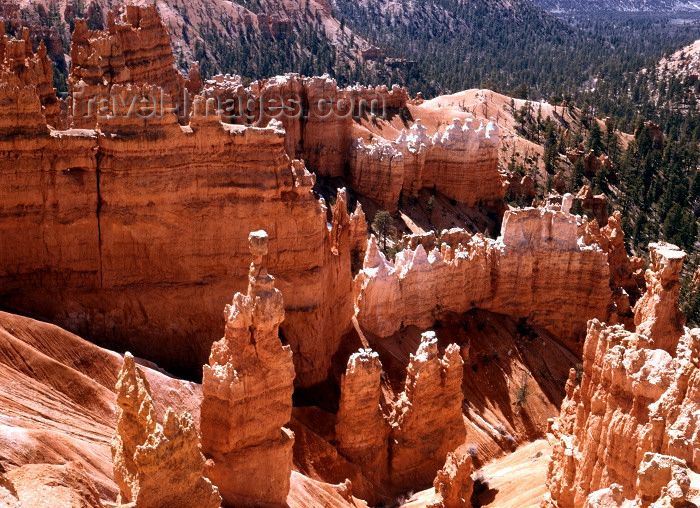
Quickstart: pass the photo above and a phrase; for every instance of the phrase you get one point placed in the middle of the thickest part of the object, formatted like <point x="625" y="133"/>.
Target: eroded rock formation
<point x="427" y="419"/>
<point x="536" y="263"/>
<point x="402" y="449"/>
<point x="657" y="315"/>
<point x="247" y="395"/>
<point x="462" y="163"/>
<point x="323" y="122"/>
<point x="111" y="229"/>
<point x="453" y="483"/>
<point x="156" y="465"/>
<point x="23" y="69"/>
<point x="362" y="431"/>
<point x="133" y="50"/>
<point x="631" y="424"/>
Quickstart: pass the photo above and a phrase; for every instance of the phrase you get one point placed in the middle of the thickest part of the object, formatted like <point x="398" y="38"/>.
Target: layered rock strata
<point x="247" y="395"/>
<point x="462" y="163"/>
<point x="627" y="432"/>
<point x="536" y="263"/>
<point x="133" y="50"/>
<point x="129" y="226"/>
<point x="156" y="465"/>
<point x="322" y="120"/>
<point x="21" y="68"/>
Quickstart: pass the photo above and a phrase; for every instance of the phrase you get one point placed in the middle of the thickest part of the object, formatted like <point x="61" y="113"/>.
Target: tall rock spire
<point x="156" y="465"/>
<point x="247" y="395"/>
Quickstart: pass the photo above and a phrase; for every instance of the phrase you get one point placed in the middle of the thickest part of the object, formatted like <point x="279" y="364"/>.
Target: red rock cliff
<point x="129" y="227"/>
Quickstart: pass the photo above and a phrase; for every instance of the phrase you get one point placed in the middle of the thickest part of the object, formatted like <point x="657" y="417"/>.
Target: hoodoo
<point x="629" y="429"/>
<point x="247" y="395"/>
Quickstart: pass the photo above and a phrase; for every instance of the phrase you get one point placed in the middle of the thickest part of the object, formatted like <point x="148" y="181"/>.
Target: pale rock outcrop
<point x="376" y="171"/>
<point x="156" y="465"/>
<point x="453" y="483"/>
<point x="634" y="416"/>
<point x="427" y="420"/>
<point x="361" y="429"/>
<point x="611" y="497"/>
<point x="247" y="395"/>
<point x="321" y="125"/>
<point x="462" y="163"/>
<point x="8" y="493"/>
<point x="536" y="263"/>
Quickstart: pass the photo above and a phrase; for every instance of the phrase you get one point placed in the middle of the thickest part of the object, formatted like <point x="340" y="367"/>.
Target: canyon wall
<point x="247" y="395"/>
<point x="128" y="226"/>
<point x="323" y="121"/>
<point x="536" y="264"/>
<point x="109" y="226"/>
<point x="629" y="429"/>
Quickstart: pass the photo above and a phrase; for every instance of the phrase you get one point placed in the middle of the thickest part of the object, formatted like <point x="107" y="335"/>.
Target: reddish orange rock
<point x="453" y="483"/>
<point x="427" y="419"/>
<point x="633" y="417"/>
<point x="361" y="430"/>
<point x="247" y="395"/>
<point x="156" y="465"/>
<point x="657" y="314"/>
<point x="49" y="486"/>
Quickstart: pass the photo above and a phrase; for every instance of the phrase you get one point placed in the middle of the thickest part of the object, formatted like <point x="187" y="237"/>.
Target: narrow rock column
<point x="156" y="465"/>
<point x="427" y="421"/>
<point x="247" y="395"/>
<point x="361" y="429"/>
<point x="657" y="314"/>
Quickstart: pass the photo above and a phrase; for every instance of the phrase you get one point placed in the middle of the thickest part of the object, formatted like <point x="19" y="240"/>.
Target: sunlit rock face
<point x="247" y="395"/>
<point x="156" y="465"/>
<point x="538" y="262"/>
<point x="629" y="430"/>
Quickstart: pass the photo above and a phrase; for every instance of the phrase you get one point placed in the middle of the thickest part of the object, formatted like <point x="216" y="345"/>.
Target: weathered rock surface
<point x="156" y="465"/>
<point x="48" y="486"/>
<point x="362" y="431"/>
<point x="133" y="50"/>
<point x="636" y="406"/>
<point x="57" y="401"/>
<point x="462" y="163"/>
<point x="536" y="263"/>
<point x="247" y="395"/>
<point x="427" y="420"/>
<point x="453" y="483"/>
<point x="121" y="244"/>
<point x="20" y="67"/>
<point x="657" y="315"/>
